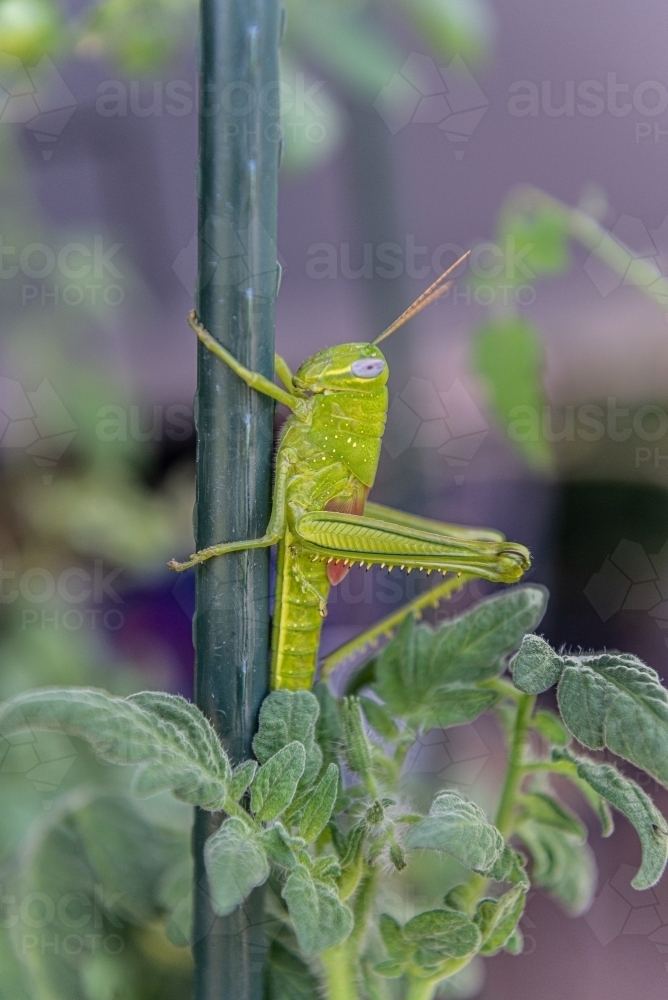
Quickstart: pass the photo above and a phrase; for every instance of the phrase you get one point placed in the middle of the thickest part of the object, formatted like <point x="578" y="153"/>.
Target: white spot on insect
<point x="367" y="367"/>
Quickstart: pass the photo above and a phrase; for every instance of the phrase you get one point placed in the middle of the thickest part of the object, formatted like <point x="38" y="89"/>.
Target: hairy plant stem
<point x="420" y="989"/>
<point x="339" y="976"/>
<point x="515" y="770"/>
<point x="471" y="892"/>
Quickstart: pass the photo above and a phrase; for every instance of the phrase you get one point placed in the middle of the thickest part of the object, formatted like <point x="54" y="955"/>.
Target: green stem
<point x="471" y="892"/>
<point x="339" y="979"/>
<point x="420" y="989"/>
<point x="644" y="274"/>
<point x="515" y="769"/>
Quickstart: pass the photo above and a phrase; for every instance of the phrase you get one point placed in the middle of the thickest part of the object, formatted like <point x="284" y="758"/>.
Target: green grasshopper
<point x="321" y="521"/>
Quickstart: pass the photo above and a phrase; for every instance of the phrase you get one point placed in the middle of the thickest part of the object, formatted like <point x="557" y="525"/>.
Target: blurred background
<point x="533" y="398"/>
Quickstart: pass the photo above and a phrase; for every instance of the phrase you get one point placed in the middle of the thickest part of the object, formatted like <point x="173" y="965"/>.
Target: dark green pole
<point x="237" y="187"/>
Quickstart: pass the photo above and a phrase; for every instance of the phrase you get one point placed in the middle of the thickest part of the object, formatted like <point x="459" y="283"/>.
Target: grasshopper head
<point x="358" y="367"/>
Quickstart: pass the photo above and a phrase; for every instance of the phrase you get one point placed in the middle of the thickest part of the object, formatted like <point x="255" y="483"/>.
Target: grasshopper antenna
<point x="428" y="296"/>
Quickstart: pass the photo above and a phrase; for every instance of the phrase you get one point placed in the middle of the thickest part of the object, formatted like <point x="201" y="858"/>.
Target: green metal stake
<point x="237" y="283"/>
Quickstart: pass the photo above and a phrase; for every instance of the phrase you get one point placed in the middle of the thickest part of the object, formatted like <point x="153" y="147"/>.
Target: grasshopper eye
<point x="367" y="367"/>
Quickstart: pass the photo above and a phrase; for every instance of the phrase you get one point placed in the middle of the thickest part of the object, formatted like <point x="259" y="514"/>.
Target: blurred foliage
<point x="533" y="239"/>
<point x="350" y="41"/>
<point x="508" y="355"/>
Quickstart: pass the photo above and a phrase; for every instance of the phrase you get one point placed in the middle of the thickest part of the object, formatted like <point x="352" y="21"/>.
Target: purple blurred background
<point x="592" y="525"/>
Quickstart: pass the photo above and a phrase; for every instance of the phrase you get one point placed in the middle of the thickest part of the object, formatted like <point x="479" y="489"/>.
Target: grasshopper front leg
<point x="275" y="528"/>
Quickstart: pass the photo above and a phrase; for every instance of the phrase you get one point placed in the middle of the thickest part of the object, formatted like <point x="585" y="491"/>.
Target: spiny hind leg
<point x="347" y="538"/>
<point x="306" y="585"/>
<point x="273" y="534"/>
<point x="385" y="627"/>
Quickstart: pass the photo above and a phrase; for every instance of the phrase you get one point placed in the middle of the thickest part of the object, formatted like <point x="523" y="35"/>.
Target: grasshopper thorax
<point x="349" y="405"/>
<point x="344" y="368"/>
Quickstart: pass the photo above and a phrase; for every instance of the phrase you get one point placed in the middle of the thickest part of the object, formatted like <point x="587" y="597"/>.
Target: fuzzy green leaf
<point x="380" y="719"/>
<point x="396" y="945"/>
<point x="280" y="846"/>
<point x="472" y="646"/>
<point x="328" y="729"/>
<point x="550" y="727"/>
<point x="428" y="676"/>
<point x="319" y="917"/>
<point x="242" y="778"/>
<point x="275" y="784"/>
<point x="561" y="864"/>
<point x="286" y="716"/>
<point x="498" y="918"/>
<point x="536" y="667"/>
<point x="446" y="933"/>
<point x="356" y="747"/>
<point x="454" y="705"/>
<point x="461" y="829"/>
<point x="545" y="809"/>
<point x="168" y="736"/>
<point x="509" y="867"/>
<point x="627" y="796"/>
<point x="615" y="701"/>
<point x="236" y="863"/>
<point x="319" y="808"/>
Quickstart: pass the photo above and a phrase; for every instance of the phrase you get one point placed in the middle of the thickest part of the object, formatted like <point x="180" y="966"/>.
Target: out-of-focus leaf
<point x="170" y="737"/>
<point x="348" y="45"/>
<point x="312" y="121"/>
<point x="128" y="855"/>
<point x="546" y="809"/>
<point x="236" y="862"/>
<point x="329" y="728"/>
<point x="453" y="27"/>
<point x="550" y="727"/>
<point x="288" y="977"/>
<point x="379" y="719"/>
<point x="508" y="355"/>
<point x="458" y="828"/>
<point x="561" y="865"/>
<point x="539" y="238"/>
<point x="29" y="29"/>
